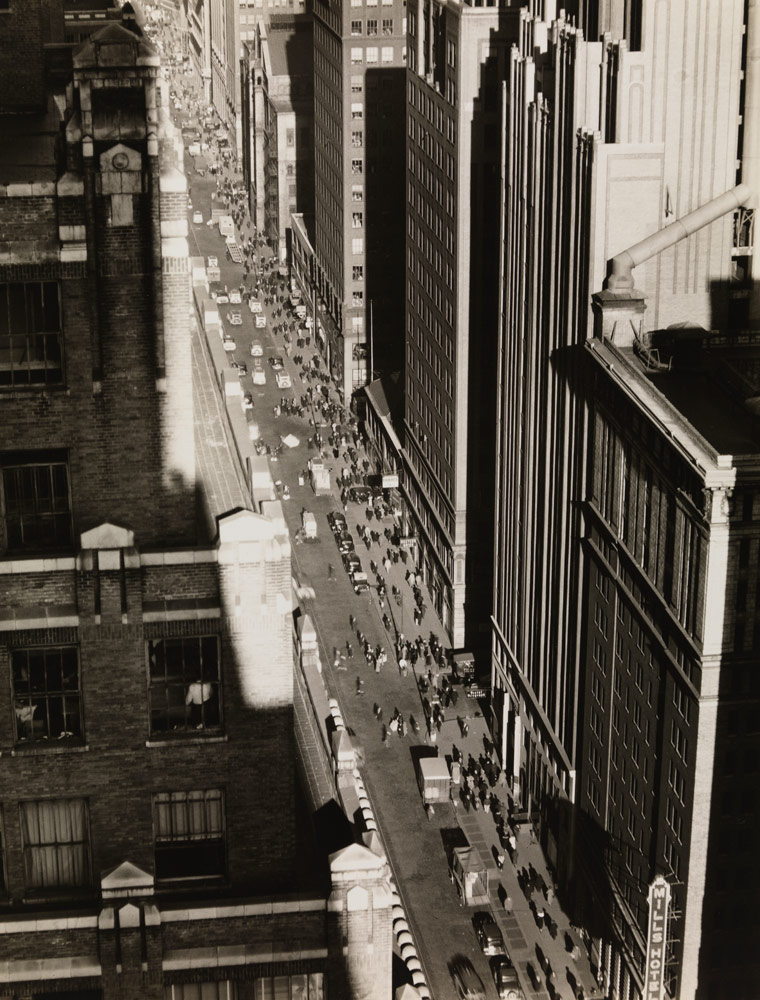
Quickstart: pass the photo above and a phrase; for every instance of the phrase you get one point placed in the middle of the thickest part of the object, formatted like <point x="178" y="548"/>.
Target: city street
<point x="415" y="842"/>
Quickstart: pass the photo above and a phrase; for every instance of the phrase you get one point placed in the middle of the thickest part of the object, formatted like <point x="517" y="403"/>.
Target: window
<point x="189" y="834"/>
<point x="357" y="111"/>
<point x="55" y="841"/>
<point x="357" y="56"/>
<point x="357" y="298"/>
<point x="387" y="25"/>
<point x="371" y="26"/>
<point x="30" y="333"/>
<point x="356" y="85"/>
<point x="356" y="27"/>
<point x="224" y="989"/>
<point x="35" y="500"/>
<point x="357" y="245"/>
<point x="290" y="136"/>
<point x="387" y="54"/>
<point x="298" y="987"/>
<point x="357" y="167"/>
<point x="357" y="192"/>
<point x="371" y="55"/>
<point x="357" y="220"/>
<point x="357" y="272"/>
<point x="357" y="327"/>
<point x="184" y="677"/>
<point x="357" y="140"/>
<point x="46" y="693"/>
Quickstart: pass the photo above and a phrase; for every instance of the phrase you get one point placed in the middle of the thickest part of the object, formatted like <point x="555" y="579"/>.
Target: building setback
<point x="359" y="60"/>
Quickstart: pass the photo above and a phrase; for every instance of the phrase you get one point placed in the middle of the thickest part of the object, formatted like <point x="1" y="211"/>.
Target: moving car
<point x="468" y="983"/>
<point x="235" y="318"/>
<point x="259" y="376"/>
<point x="359" y="494"/>
<point x="257" y="351"/>
<point x="283" y="380"/>
<point x="197" y="217"/>
<point x="505" y="979"/>
<point x="276" y="363"/>
<point x="212" y="261"/>
<point x="489" y="936"/>
<point x="235" y="297"/>
<point x="254" y="305"/>
<point x="359" y="582"/>
<point x="228" y="342"/>
<point x="261" y="321"/>
<point x="248" y="401"/>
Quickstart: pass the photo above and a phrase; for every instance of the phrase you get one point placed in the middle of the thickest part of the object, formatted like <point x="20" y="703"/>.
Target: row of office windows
<point x="184" y="685"/>
<point x="372" y="55"/>
<point x="300" y="986"/>
<point x="371" y="26"/>
<point x="189" y="840"/>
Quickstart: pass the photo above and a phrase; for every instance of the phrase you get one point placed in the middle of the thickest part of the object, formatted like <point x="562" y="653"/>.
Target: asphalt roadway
<point x="442" y="928"/>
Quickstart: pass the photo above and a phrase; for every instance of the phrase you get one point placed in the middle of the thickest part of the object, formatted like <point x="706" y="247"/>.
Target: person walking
<point x="331" y="572"/>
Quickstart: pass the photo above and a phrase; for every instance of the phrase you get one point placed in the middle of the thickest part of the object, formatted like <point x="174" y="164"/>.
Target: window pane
<point x="185" y="683"/>
<point x="46" y="693"/>
<point x="55" y="843"/>
<point x="189" y="834"/>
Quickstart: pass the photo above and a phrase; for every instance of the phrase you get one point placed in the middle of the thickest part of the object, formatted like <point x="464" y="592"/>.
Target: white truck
<point x="226" y="226"/>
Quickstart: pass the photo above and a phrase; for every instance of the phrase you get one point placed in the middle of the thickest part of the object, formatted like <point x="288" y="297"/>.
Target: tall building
<point x="224" y="49"/>
<point x="278" y="116"/>
<point x="149" y="844"/>
<point x="359" y="81"/>
<point x="458" y="54"/>
<point x="614" y="657"/>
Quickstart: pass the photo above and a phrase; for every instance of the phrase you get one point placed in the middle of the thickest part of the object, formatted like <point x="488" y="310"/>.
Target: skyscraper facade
<point x="359" y="60"/>
<point x="605" y="143"/>
<point x="458" y="53"/>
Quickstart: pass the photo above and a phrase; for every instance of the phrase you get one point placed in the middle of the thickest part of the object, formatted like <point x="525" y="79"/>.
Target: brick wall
<point x="21" y="78"/>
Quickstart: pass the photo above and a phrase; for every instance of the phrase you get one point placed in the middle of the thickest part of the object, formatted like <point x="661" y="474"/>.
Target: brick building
<point x="149" y="836"/>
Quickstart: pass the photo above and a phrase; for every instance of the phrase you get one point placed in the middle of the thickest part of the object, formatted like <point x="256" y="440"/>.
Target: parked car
<point x="235" y="297"/>
<point x="259" y="375"/>
<point x="235" y="318"/>
<point x="283" y="380"/>
<point x="228" y="342"/>
<point x="337" y="522"/>
<point x="469" y="985"/>
<point x="359" y="582"/>
<point x="197" y="217"/>
<point x="345" y="542"/>
<point x="276" y="363"/>
<point x="212" y="261"/>
<point x="222" y="298"/>
<point x="489" y="936"/>
<point x="352" y="562"/>
<point x="505" y="979"/>
<point x="257" y="351"/>
<point x="248" y="401"/>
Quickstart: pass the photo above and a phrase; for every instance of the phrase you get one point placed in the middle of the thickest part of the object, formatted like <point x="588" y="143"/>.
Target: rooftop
<point x="290" y="51"/>
<point x="710" y="383"/>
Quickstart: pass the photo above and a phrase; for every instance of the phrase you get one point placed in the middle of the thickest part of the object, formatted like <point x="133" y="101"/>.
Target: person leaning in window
<point x="203" y="711"/>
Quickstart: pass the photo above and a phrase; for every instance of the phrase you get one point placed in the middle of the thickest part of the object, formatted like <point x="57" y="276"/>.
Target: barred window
<point x="185" y="684"/>
<point x="372" y="26"/>
<point x="356" y="27"/>
<point x="35" y="502"/>
<point x="387" y="25"/>
<point x="189" y="837"/>
<point x="46" y="701"/>
<point x="30" y="334"/>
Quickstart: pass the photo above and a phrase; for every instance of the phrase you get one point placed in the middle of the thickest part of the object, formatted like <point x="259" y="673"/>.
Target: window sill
<point x="183" y="739"/>
<point x="39" y="748"/>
